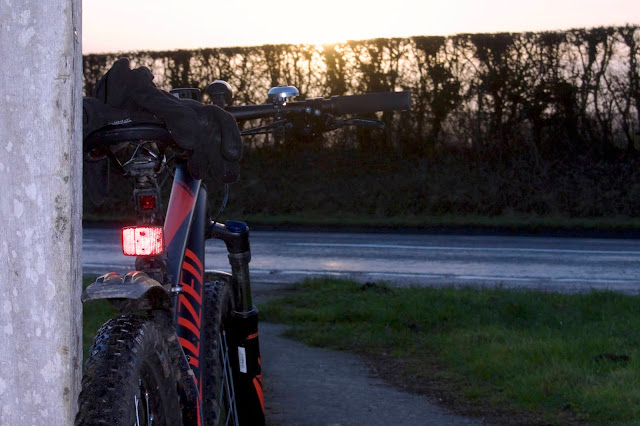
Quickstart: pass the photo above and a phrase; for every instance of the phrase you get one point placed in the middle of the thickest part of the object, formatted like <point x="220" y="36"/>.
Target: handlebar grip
<point x="371" y="102"/>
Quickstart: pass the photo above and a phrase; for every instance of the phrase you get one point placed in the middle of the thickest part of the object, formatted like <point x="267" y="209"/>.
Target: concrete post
<point x="40" y="211"/>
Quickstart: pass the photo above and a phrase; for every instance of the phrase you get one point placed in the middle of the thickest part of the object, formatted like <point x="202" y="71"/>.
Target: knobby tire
<point x="128" y="359"/>
<point x="217" y="405"/>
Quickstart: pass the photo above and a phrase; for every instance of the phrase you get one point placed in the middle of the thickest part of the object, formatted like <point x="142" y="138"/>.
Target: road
<point x="554" y="264"/>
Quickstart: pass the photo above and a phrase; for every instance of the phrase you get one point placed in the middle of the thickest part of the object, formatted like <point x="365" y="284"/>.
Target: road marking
<point x="108" y="266"/>
<point x="404" y="275"/>
<point x="597" y="280"/>
<point x="434" y="248"/>
<point x="105" y="265"/>
<point x="494" y="278"/>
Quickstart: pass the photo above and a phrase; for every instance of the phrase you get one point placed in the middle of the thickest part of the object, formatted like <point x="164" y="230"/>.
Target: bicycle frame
<point x="182" y="268"/>
<point x="184" y="239"/>
<point x="187" y="225"/>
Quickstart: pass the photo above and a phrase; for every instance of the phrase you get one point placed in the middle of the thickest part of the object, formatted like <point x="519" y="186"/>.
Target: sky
<point x="128" y="25"/>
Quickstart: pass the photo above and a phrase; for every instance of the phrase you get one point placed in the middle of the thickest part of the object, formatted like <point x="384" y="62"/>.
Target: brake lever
<point x="269" y="128"/>
<point x="328" y="124"/>
<point x="361" y="122"/>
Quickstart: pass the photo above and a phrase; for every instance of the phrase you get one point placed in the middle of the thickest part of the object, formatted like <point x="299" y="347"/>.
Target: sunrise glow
<point x="125" y="25"/>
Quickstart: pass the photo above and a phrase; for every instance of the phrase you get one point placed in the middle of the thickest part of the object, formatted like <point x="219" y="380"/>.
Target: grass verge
<point x="512" y="357"/>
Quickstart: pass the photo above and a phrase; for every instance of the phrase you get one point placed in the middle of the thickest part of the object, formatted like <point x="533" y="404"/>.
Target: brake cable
<point x="223" y="205"/>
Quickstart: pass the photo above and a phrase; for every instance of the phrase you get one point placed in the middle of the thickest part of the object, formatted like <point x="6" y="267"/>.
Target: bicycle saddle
<point x="105" y="125"/>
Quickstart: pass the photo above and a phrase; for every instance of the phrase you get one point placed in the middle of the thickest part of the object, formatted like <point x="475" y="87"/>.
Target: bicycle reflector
<point x="142" y="240"/>
<point x="147" y="202"/>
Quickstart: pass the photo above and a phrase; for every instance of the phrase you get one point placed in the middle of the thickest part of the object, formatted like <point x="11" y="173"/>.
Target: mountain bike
<point x="184" y="348"/>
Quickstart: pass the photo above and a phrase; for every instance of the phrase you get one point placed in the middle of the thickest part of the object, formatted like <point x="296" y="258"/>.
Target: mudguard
<point x="134" y="291"/>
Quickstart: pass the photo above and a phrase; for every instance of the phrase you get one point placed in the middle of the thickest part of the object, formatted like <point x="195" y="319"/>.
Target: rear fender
<point x="134" y="291"/>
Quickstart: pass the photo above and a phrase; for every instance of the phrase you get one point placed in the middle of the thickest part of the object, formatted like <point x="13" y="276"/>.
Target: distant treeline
<point x="575" y="91"/>
<point x="512" y="121"/>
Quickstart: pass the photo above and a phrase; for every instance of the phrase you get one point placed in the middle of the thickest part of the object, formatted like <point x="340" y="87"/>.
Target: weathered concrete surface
<point x="318" y="387"/>
<point x="40" y="207"/>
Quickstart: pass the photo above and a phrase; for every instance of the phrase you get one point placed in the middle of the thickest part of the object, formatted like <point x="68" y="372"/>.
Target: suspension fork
<point x="244" y="345"/>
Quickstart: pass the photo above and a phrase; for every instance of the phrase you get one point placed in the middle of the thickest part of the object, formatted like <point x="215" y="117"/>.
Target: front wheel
<point x="232" y="378"/>
<point x="218" y="397"/>
<point x="128" y="378"/>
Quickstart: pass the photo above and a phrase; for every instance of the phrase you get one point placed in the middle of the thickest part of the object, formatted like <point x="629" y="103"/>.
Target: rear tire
<point x="128" y="377"/>
<point x="217" y="406"/>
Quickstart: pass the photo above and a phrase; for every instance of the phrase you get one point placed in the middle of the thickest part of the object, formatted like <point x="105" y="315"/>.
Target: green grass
<point x="555" y="358"/>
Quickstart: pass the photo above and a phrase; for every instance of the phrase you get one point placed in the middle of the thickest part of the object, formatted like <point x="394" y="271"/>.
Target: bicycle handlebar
<point x="350" y="104"/>
<point x="354" y="104"/>
<point x="371" y="102"/>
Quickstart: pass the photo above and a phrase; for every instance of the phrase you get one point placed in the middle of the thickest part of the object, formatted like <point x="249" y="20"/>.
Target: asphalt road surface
<point x="555" y="264"/>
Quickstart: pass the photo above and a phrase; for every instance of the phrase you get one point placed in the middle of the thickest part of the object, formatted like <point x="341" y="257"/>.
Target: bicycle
<point x="184" y="348"/>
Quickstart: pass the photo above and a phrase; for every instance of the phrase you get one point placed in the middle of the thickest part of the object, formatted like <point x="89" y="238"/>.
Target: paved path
<point x="311" y="386"/>
<point x="318" y="387"/>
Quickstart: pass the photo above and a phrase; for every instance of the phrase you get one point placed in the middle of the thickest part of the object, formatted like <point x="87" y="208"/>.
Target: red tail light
<point x="142" y="240"/>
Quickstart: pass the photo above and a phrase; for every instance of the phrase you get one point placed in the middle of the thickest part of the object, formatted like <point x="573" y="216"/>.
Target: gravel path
<point x="313" y="386"/>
